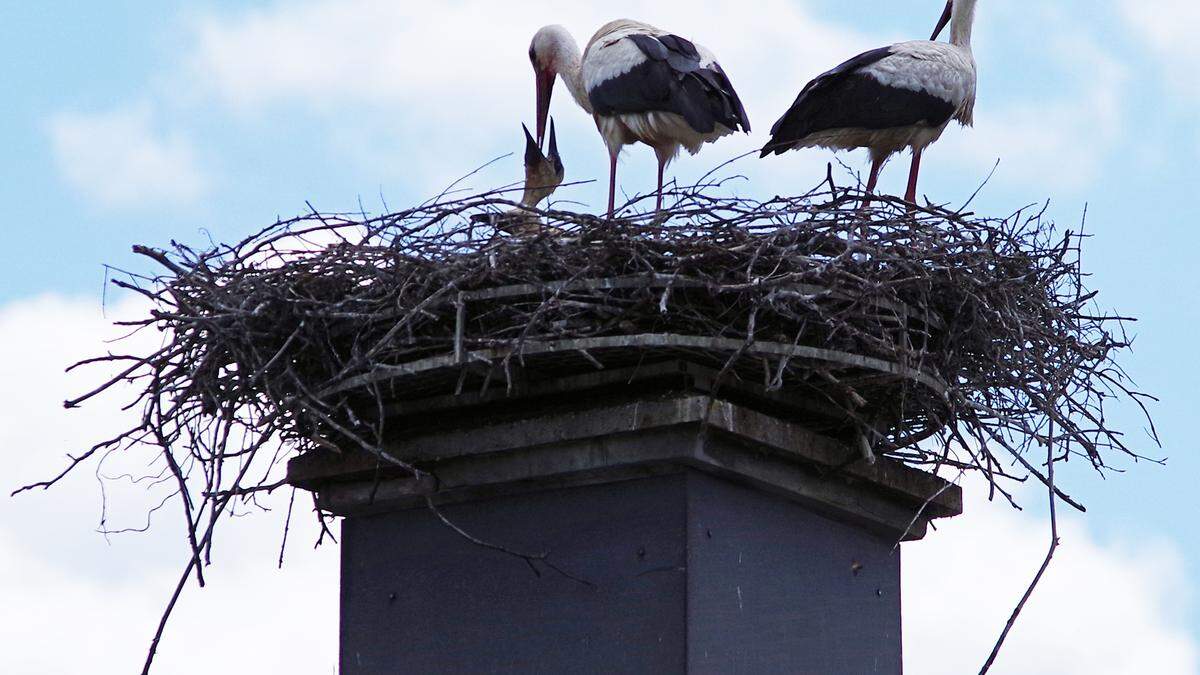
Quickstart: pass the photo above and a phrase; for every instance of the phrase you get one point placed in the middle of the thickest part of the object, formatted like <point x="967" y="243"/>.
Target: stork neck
<point x="569" y="70"/>
<point x="961" y="23"/>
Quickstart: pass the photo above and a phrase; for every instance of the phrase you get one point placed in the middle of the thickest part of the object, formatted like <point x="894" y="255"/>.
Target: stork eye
<point x="532" y="55"/>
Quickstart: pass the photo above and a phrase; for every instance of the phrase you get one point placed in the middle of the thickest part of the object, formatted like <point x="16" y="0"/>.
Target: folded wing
<point x="674" y="77"/>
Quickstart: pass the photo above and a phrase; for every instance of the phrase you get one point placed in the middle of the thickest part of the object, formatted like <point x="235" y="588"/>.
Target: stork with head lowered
<point x="641" y="85"/>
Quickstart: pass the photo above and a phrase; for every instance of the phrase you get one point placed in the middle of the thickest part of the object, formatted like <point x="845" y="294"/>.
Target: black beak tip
<point x="552" y="154"/>
<point x="533" y="154"/>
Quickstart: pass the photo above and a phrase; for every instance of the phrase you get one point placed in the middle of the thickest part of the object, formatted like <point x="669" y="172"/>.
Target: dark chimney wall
<point x="690" y="573"/>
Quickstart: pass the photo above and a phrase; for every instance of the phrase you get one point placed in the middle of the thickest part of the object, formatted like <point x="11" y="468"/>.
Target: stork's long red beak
<point x="944" y="20"/>
<point x="545" y="89"/>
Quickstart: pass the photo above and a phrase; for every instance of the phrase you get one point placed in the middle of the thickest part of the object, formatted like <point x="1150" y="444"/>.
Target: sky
<point x="145" y="122"/>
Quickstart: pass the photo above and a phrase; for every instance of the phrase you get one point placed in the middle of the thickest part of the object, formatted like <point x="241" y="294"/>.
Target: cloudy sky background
<point x="142" y="122"/>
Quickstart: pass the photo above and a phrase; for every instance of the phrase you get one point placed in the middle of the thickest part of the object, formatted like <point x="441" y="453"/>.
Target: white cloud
<point x="1167" y="29"/>
<point x="426" y="92"/>
<point x="119" y="159"/>
<point x="444" y="60"/>
<point x="1058" y="138"/>
<point x="1101" y="609"/>
<point x="75" y="603"/>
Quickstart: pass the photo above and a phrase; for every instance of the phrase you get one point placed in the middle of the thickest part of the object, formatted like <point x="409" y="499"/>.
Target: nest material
<point x="939" y="339"/>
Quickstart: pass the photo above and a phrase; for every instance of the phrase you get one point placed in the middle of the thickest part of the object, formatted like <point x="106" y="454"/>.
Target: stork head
<point x="945" y="20"/>
<point x="543" y="172"/>
<point x="545" y="53"/>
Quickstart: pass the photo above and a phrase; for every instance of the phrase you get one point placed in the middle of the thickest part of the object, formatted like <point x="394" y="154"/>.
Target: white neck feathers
<point x="961" y="22"/>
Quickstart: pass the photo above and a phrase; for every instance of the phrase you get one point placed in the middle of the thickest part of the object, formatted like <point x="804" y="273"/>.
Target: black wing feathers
<point x="672" y="80"/>
<point x="847" y="98"/>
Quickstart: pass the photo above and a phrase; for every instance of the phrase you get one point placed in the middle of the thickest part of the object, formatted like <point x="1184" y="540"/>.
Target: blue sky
<point x="141" y="122"/>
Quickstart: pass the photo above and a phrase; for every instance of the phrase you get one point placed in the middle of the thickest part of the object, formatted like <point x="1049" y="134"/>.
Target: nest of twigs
<point x="938" y="338"/>
<point x="931" y="337"/>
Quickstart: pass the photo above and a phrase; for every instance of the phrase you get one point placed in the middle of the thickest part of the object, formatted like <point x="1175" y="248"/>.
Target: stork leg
<point x="911" y="195"/>
<point x="664" y="155"/>
<point x="876" y="166"/>
<point x="662" y="165"/>
<point x="612" y="183"/>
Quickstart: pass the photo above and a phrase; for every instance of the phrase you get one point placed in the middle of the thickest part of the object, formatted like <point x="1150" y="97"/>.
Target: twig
<point x="528" y="558"/>
<point x="287" y="523"/>
<point x="1012" y="619"/>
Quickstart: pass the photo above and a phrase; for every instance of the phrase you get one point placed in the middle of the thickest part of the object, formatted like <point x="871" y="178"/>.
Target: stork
<point x="888" y="99"/>
<point x="543" y="174"/>
<point x="640" y="84"/>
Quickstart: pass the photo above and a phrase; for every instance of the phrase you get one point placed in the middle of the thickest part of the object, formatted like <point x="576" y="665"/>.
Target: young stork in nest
<point x="543" y="174"/>
<point x="888" y="99"/>
<point x="641" y="85"/>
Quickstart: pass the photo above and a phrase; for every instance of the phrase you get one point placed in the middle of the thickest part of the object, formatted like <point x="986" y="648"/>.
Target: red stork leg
<point x="876" y="166"/>
<point x="664" y="155"/>
<point x="911" y="195"/>
<point x="612" y="183"/>
<point x="662" y="164"/>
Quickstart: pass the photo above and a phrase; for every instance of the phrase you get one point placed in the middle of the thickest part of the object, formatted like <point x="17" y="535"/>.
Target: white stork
<point x="641" y="84"/>
<point x="888" y="99"/>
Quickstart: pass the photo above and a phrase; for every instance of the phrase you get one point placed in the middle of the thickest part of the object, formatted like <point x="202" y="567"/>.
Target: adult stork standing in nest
<point x="888" y="99"/>
<point x="640" y="84"/>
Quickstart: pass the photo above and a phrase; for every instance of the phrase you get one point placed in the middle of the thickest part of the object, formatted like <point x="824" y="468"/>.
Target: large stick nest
<point x="939" y="339"/>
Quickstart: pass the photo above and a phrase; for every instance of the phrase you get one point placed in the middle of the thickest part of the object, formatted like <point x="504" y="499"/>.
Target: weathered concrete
<point x="638" y="438"/>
